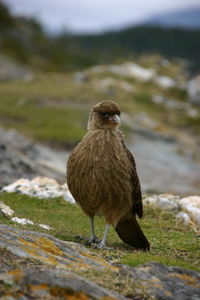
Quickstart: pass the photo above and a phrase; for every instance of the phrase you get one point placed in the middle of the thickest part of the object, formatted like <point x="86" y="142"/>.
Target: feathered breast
<point x="99" y="170"/>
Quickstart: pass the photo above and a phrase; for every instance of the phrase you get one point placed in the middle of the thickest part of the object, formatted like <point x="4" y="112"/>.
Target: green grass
<point x="54" y="108"/>
<point x="25" y="106"/>
<point x="171" y="242"/>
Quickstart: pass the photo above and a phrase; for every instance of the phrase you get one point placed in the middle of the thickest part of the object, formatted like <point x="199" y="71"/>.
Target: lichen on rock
<point x="45" y="267"/>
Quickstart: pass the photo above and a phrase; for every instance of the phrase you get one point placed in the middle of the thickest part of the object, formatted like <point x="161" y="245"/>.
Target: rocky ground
<point x="163" y="168"/>
<point x="20" y="157"/>
<point x="35" y="265"/>
<point x="38" y="266"/>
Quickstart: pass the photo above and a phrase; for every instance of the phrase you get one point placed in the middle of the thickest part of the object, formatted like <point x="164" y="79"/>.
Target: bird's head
<point x="105" y="114"/>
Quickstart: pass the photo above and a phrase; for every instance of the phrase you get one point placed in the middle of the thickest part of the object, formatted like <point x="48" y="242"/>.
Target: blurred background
<point x="58" y="58"/>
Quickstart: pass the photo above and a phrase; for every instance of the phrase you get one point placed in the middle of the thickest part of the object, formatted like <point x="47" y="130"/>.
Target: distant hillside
<point x="26" y="41"/>
<point x="170" y="42"/>
<point x="189" y="18"/>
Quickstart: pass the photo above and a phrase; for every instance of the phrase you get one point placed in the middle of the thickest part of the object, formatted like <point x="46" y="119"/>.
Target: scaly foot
<point x="103" y="246"/>
<point x="92" y="240"/>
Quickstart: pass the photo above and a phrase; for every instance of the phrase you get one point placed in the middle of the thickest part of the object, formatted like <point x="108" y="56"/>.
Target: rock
<point x="193" y="113"/>
<point x="51" y="284"/>
<point x="184" y="218"/>
<point x="130" y="69"/>
<point x="170" y="103"/>
<point x="162" y="164"/>
<point x="50" y="250"/>
<point x="110" y="82"/>
<point x="6" y="210"/>
<point x="165" y="283"/>
<point x="127" y="87"/>
<point x="174" y="104"/>
<point x="193" y="90"/>
<point x="163" y="201"/>
<point x="44" y="226"/>
<point x="22" y="221"/>
<point x="68" y="197"/>
<point x="22" y="158"/>
<point x="40" y="266"/>
<point x="96" y="69"/>
<point x="187" y="209"/>
<point x="107" y="84"/>
<point x="41" y="187"/>
<point x="80" y="77"/>
<point x="127" y="69"/>
<point x="10" y="70"/>
<point x="144" y="120"/>
<point x="191" y="205"/>
<point x="165" y="82"/>
<point x="133" y="70"/>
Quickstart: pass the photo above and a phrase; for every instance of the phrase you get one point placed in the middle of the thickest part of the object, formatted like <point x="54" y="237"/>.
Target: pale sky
<point x="94" y="15"/>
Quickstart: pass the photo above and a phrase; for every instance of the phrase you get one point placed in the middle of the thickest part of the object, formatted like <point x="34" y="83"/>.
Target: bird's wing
<point x="136" y="193"/>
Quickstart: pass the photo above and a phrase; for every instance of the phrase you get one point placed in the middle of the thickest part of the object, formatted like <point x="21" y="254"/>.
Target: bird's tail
<point x="130" y="232"/>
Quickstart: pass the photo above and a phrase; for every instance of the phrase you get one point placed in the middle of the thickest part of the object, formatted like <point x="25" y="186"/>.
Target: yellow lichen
<point x="77" y="296"/>
<point x="15" y="272"/>
<point x="67" y="293"/>
<point x="100" y="260"/>
<point x="44" y="244"/>
<point x="187" y="278"/>
<point x="42" y="286"/>
<point x="12" y="276"/>
<point x="49" y="246"/>
<point x="40" y="245"/>
<point x="45" y="250"/>
<point x="108" y="298"/>
<point x="167" y="293"/>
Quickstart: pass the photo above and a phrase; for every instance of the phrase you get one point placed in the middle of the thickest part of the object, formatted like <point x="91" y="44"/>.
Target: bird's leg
<point x="93" y="237"/>
<point x="102" y="244"/>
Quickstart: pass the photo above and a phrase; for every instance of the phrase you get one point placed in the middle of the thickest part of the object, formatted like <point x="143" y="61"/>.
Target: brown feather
<point x="102" y="176"/>
<point x="134" y="235"/>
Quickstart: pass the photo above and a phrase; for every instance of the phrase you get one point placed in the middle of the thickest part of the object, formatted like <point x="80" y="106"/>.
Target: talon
<point x="103" y="246"/>
<point x="92" y="240"/>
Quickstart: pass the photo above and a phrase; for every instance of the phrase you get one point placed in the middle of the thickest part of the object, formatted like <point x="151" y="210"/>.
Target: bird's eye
<point x="104" y="114"/>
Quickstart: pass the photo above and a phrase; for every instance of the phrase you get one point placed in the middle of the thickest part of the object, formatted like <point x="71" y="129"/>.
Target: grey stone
<point x="165" y="283"/>
<point x="187" y="209"/>
<point x="22" y="158"/>
<point x="193" y="90"/>
<point x="48" y="249"/>
<point x="11" y="70"/>
<point x="40" y="187"/>
<point x="6" y="210"/>
<point x="52" y="284"/>
<point x="46" y="268"/>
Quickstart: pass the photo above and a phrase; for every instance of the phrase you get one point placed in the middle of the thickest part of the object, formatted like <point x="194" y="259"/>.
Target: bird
<point x="102" y="178"/>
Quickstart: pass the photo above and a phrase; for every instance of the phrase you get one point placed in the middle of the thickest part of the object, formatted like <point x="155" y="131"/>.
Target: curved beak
<point x="115" y="119"/>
